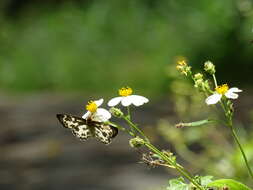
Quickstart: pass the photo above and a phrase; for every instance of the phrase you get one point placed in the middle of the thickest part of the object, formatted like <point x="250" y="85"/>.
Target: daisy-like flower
<point x="96" y="114"/>
<point x="223" y="90"/>
<point x="126" y="98"/>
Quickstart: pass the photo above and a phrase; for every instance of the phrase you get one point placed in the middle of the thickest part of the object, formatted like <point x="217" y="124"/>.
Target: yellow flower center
<point x="222" y="89"/>
<point x="125" y="91"/>
<point x="182" y="63"/>
<point x="91" y="106"/>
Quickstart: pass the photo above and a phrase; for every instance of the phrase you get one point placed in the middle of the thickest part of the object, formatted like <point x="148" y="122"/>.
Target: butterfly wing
<point x="105" y="133"/>
<point x="83" y="129"/>
<point x="78" y="126"/>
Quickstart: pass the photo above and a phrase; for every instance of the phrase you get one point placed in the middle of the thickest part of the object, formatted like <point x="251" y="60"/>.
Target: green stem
<point x="236" y="138"/>
<point x="128" y="112"/>
<point x="121" y="128"/>
<point x="179" y="168"/>
<point x="133" y="126"/>
<point x="241" y="149"/>
<point x="165" y="157"/>
<point x="215" y="81"/>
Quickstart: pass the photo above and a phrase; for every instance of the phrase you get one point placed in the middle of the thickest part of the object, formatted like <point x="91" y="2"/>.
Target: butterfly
<point x="85" y="128"/>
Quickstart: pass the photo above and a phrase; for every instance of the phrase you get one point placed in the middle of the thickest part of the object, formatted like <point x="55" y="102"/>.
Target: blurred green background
<point x="55" y="54"/>
<point x="96" y="46"/>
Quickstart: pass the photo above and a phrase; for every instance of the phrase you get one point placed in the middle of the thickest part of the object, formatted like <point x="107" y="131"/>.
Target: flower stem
<point x="165" y="157"/>
<point x="241" y="149"/>
<point x="133" y="126"/>
<point x="121" y="128"/>
<point x="215" y="81"/>
<point x="128" y="112"/>
<point x="236" y="138"/>
<point x="179" y="168"/>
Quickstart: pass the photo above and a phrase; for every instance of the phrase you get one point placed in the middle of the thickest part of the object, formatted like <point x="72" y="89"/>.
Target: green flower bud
<point x="116" y="112"/>
<point x="136" y="142"/>
<point x="198" y="83"/>
<point x="209" y="67"/>
<point x="198" y="76"/>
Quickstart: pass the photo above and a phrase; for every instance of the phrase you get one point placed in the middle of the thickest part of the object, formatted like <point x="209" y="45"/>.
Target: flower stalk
<point x="169" y="161"/>
<point x="236" y="138"/>
<point x="220" y="95"/>
<point x="229" y="114"/>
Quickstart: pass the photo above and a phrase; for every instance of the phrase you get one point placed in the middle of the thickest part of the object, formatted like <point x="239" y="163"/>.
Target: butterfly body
<point x="86" y="128"/>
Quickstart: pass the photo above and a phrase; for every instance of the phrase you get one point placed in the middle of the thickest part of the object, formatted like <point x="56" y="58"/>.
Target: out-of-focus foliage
<point x="228" y="184"/>
<point x="100" y="45"/>
<point x="180" y="183"/>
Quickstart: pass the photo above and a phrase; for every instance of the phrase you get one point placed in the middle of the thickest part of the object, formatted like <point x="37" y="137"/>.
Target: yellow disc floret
<point x="182" y="63"/>
<point x="91" y="106"/>
<point x="222" y="89"/>
<point x="125" y="91"/>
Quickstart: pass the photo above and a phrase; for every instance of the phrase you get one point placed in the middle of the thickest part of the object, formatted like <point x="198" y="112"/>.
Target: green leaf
<point x="195" y="123"/>
<point x="206" y="180"/>
<point x="177" y="184"/>
<point x="230" y="183"/>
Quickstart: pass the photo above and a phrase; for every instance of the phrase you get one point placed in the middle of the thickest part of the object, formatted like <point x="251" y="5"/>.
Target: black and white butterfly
<point x="85" y="128"/>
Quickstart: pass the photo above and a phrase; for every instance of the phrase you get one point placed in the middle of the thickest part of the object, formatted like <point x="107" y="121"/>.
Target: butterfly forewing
<point x="77" y="125"/>
<point x="70" y="121"/>
<point x="83" y="129"/>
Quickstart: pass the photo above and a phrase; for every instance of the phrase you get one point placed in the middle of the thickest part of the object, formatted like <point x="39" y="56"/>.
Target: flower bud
<point x="183" y="67"/>
<point x="116" y="112"/>
<point x="136" y="142"/>
<point x="209" y="67"/>
<point x="199" y="83"/>
<point x="198" y="76"/>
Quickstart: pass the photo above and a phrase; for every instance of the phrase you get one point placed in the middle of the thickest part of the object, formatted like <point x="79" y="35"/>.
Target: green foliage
<point x="177" y="184"/>
<point x="128" y="42"/>
<point x="180" y="184"/>
<point x="230" y="183"/>
<point x="208" y="183"/>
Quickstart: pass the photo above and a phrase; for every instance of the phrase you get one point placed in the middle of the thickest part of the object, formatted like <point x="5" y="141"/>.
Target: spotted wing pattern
<point x="78" y="126"/>
<point x="83" y="129"/>
<point x="105" y="133"/>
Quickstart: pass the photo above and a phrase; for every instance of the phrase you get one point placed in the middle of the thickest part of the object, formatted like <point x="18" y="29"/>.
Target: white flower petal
<point x="138" y="100"/>
<point x="99" y="102"/>
<point x="114" y="101"/>
<point x="235" y="89"/>
<point x="213" y="99"/>
<point x="101" y="115"/>
<point x="231" y="95"/>
<point x="86" y="115"/>
<point x="126" y="101"/>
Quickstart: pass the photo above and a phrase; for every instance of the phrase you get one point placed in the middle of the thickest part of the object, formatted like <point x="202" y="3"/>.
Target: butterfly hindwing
<point x="82" y="132"/>
<point x="83" y="129"/>
<point x="105" y="133"/>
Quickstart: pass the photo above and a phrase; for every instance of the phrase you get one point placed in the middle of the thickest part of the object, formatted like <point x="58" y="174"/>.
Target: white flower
<point x="126" y="98"/>
<point x="223" y="90"/>
<point x="96" y="114"/>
